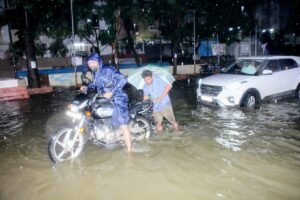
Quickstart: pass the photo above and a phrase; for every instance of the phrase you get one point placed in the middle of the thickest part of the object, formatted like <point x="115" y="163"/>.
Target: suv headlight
<point x="235" y="86"/>
<point x="199" y="81"/>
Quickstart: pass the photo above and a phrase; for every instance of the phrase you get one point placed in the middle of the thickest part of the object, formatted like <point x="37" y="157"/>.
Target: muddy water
<point x="222" y="154"/>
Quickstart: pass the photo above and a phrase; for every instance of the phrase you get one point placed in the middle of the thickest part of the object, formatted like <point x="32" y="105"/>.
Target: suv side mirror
<point x="267" y="72"/>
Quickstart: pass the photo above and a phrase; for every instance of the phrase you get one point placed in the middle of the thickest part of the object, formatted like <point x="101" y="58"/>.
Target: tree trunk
<point x="115" y="60"/>
<point x="131" y="46"/>
<point x="118" y="25"/>
<point x="175" y="49"/>
<point x="32" y="70"/>
<point x="127" y="25"/>
<point x="175" y="43"/>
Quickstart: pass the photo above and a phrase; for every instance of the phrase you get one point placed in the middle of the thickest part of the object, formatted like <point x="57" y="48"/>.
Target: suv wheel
<point x="298" y="92"/>
<point x="251" y="100"/>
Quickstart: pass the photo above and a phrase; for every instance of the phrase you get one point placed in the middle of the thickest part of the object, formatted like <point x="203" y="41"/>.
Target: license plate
<point x="206" y="98"/>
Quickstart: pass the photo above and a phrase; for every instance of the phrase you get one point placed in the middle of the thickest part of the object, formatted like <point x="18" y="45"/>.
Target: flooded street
<point x="223" y="154"/>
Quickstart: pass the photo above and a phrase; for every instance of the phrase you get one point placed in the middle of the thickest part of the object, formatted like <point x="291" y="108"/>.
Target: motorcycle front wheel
<point x="65" y="145"/>
<point x="140" y="128"/>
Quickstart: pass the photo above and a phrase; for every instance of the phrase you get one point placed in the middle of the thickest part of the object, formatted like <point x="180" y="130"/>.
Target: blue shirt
<point x="155" y="90"/>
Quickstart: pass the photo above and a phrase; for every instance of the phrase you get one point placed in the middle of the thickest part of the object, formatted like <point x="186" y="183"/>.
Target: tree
<point x="169" y="15"/>
<point x="53" y="19"/>
<point x="213" y="20"/>
<point x="174" y="17"/>
<point x="37" y="18"/>
<point x="27" y="37"/>
<point x="124" y="15"/>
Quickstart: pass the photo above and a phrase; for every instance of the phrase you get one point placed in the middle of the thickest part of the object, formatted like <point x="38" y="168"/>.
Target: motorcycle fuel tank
<point x="104" y="110"/>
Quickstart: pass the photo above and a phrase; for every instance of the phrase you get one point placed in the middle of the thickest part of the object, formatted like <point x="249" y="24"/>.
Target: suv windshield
<point x="244" y="67"/>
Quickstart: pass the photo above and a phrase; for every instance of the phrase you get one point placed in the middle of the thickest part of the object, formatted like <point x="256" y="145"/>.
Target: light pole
<point x="255" y="44"/>
<point x="72" y="18"/>
<point x="73" y="38"/>
<point x="194" y="27"/>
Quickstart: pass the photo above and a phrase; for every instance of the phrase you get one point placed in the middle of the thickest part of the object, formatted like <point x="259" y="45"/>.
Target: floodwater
<point x="222" y="154"/>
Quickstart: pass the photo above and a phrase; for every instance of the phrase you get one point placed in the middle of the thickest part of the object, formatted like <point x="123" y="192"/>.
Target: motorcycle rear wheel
<point x="140" y="128"/>
<point x="60" y="147"/>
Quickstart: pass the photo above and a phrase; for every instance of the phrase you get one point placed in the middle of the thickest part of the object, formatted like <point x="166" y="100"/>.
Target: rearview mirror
<point x="84" y="80"/>
<point x="140" y="92"/>
<point x="140" y="95"/>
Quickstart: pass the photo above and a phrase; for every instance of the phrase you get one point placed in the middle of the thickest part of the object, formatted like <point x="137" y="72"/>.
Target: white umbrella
<point x="135" y="76"/>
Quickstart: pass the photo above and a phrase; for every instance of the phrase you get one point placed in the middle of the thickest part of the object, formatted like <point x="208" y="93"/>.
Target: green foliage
<point x="175" y="18"/>
<point x="212" y="18"/>
<point x="58" y="49"/>
<point x="40" y="49"/>
<point x="19" y="45"/>
<point x="107" y="36"/>
<point x="50" y="18"/>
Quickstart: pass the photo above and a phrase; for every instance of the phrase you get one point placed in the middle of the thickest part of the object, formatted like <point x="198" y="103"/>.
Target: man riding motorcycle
<point x="108" y="81"/>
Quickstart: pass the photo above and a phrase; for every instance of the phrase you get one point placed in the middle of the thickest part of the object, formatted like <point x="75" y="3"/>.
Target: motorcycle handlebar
<point x="84" y="90"/>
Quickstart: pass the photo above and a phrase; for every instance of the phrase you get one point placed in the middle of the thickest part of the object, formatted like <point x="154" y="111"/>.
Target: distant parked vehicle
<point x="251" y="80"/>
<point x="207" y="70"/>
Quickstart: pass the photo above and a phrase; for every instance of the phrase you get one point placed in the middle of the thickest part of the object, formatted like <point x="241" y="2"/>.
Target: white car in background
<point x="251" y="80"/>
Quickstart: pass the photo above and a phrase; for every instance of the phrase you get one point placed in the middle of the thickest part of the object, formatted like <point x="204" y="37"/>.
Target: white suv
<point x="250" y="80"/>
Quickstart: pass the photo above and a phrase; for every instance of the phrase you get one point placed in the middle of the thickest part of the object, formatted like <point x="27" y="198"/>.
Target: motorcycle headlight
<point x="235" y="86"/>
<point x="73" y="108"/>
<point x="74" y="115"/>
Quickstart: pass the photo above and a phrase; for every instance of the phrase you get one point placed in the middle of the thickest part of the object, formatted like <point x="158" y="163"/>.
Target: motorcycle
<point x="90" y="120"/>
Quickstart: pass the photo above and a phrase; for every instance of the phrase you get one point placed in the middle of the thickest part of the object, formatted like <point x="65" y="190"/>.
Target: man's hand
<point x="146" y="98"/>
<point x="108" y="95"/>
<point x="158" y="99"/>
<point x="83" y="88"/>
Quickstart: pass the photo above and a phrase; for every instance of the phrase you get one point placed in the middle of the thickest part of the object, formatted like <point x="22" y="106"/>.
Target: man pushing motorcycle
<point x="109" y="82"/>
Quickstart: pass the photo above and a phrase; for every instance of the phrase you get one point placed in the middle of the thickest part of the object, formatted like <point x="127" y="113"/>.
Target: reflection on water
<point x="236" y="129"/>
<point x="222" y="154"/>
<point x="12" y="117"/>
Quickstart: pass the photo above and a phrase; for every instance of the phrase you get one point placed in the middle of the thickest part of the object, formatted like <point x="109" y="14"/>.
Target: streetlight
<point x="255" y="45"/>
<point x="194" y="27"/>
